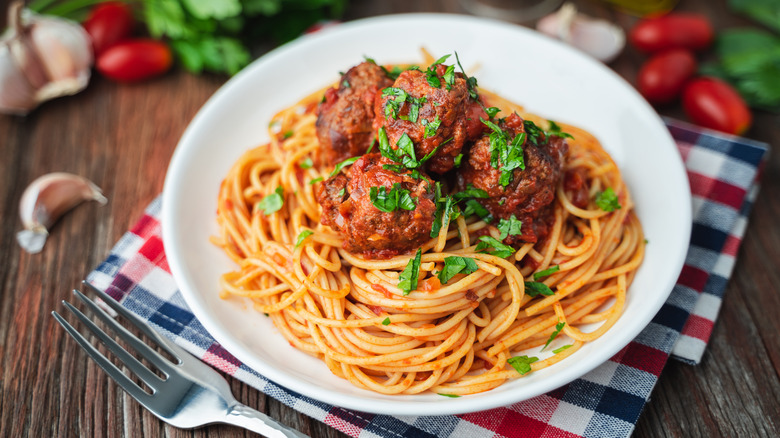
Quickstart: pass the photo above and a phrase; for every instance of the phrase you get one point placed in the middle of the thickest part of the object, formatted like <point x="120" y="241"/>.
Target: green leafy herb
<point x="449" y="395"/>
<point x="766" y="12"/>
<point x="306" y="163"/>
<point x="395" y="99"/>
<point x="446" y="211"/>
<point x="510" y="227"/>
<point x="500" y="250"/>
<point x="287" y="134"/>
<point x="408" y="278"/>
<point x="449" y="77"/>
<point x="474" y="207"/>
<point x="547" y="272"/>
<point x="458" y="159"/>
<point x="430" y="73"/>
<point x="272" y="203"/>
<point x="343" y="164"/>
<point x="454" y="265"/>
<point x="565" y="347"/>
<point x="492" y="111"/>
<point x="505" y="154"/>
<point x="535" y="134"/>
<point x="608" y="200"/>
<point x="534" y="288"/>
<point x="471" y="81"/>
<point x="342" y="192"/>
<point x="471" y="192"/>
<point x="522" y="364"/>
<point x="558" y="328"/>
<point x="302" y="237"/>
<point x="556" y="130"/>
<point x="432" y="126"/>
<point x="386" y="321"/>
<point x="315" y="180"/>
<point x="389" y="201"/>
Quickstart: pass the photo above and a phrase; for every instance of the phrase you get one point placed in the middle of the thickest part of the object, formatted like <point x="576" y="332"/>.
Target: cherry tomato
<point x="677" y="30"/>
<point x="662" y="77"/>
<point x="107" y="24"/>
<point x="714" y="104"/>
<point x="134" y="60"/>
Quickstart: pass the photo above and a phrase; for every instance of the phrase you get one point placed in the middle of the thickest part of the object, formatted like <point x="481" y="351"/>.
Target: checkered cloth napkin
<point x="604" y="403"/>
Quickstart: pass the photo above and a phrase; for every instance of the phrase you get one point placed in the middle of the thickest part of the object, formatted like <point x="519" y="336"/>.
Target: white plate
<point x="549" y="78"/>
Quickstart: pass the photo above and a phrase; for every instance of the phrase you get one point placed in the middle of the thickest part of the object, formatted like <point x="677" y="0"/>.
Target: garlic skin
<point x="41" y="57"/>
<point x="46" y="199"/>
<point x="599" y="38"/>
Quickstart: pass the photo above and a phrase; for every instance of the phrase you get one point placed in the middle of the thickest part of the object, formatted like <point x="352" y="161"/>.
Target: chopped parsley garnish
<point x="535" y="134"/>
<point x="474" y="207"/>
<point x="454" y="265"/>
<point x="315" y="180"/>
<point x="446" y="211"/>
<point x="342" y="192"/>
<point x="471" y="192"/>
<point x="396" y="97"/>
<point x="306" y="163"/>
<point x="449" y="77"/>
<point x="558" y="328"/>
<point x="471" y="81"/>
<point x="505" y="154"/>
<point x="500" y="250"/>
<point x="534" y="288"/>
<point x="492" y="111"/>
<point x="509" y="227"/>
<point x="345" y="84"/>
<point x="432" y="126"/>
<point x="608" y="200"/>
<point x="458" y="159"/>
<point x="408" y="278"/>
<point x="404" y="154"/>
<point x="343" y="164"/>
<point x="565" y="347"/>
<point x="302" y="237"/>
<point x="389" y="201"/>
<point x="522" y="364"/>
<point x="556" y="130"/>
<point x="430" y="74"/>
<point x="287" y="134"/>
<point x="272" y="202"/>
<point x="547" y="272"/>
<point x="386" y="321"/>
<point x="449" y="395"/>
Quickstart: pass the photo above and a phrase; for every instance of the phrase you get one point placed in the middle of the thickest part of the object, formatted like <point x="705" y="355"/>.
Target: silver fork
<point x="191" y="394"/>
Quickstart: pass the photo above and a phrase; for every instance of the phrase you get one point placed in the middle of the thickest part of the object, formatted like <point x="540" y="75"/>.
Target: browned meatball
<point x="344" y="119"/>
<point x="414" y="107"/>
<point x="529" y="193"/>
<point x="348" y="208"/>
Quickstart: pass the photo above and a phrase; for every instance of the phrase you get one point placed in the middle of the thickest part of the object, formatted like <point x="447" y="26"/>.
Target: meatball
<point x="529" y="192"/>
<point x="344" y="119"/>
<point x="431" y="116"/>
<point x="348" y="208"/>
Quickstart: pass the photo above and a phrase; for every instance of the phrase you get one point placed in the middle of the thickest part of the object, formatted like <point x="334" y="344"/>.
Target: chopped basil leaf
<point x="547" y="272"/>
<point x="301" y="237"/>
<point x="315" y="180"/>
<point x="522" y="364"/>
<point x="608" y="200"/>
<point x="558" y="328"/>
<point x="501" y="250"/>
<point x="272" y="202"/>
<point x="565" y="347"/>
<point x="534" y="288"/>
<point x="386" y="321"/>
<point x="454" y="265"/>
<point x="492" y="111"/>
<point x="509" y="227"/>
<point x="306" y="163"/>
<point x="408" y="278"/>
<point x="389" y="201"/>
<point x="449" y="395"/>
<point x="343" y="164"/>
<point x="556" y="130"/>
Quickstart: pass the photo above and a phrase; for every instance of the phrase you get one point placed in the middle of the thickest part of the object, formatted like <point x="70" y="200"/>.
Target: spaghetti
<point x="470" y="334"/>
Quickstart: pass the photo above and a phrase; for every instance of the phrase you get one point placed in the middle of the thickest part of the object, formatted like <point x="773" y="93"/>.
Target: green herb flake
<point x="315" y="180"/>
<point x="458" y="159"/>
<point x="608" y="200"/>
<point x="342" y="192"/>
<point x="432" y="126"/>
<point x="389" y="201"/>
<point x="563" y="348"/>
<point x="287" y="134"/>
<point x="547" y="272"/>
<point x="343" y="164"/>
<point x="408" y="278"/>
<point x="522" y="364"/>
<point x="306" y="163"/>
<point x="556" y="130"/>
<point x="446" y="211"/>
<point x="534" y="288"/>
<point x="449" y="77"/>
<point x="558" y="328"/>
<point x="272" y="203"/>
<point x="474" y="207"/>
<point x="386" y="321"/>
<point x="505" y="154"/>
<point x="302" y="237"/>
<point x="454" y="265"/>
<point x="471" y="81"/>
<point x="492" y="111"/>
<point x="510" y="227"/>
<point x="500" y="250"/>
<point x="471" y="192"/>
<point x="449" y="395"/>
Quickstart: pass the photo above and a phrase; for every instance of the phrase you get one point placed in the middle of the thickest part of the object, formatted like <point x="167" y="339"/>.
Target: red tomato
<point x="107" y="24"/>
<point x="677" y="30"/>
<point x="662" y="77"/>
<point x="134" y="60"/>
<point x="715" y="104"/>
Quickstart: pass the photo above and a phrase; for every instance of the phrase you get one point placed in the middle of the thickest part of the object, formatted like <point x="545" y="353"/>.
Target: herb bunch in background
<point x="213" y="35"/>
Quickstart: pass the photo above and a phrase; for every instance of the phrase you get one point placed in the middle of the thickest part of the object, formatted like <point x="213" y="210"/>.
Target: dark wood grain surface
<point x="122" y="137"/>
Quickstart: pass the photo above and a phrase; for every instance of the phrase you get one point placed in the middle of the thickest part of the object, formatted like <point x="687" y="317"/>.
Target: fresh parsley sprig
<point x="408" y="277"/>
<point x="390" y="200"/>
<point x="455" y="265"/>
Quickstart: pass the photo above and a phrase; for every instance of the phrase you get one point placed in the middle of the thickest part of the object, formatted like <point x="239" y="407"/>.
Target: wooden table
<point x="122" y="137"/>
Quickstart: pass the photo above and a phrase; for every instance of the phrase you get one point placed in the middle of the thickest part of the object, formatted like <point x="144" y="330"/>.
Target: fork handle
<point x="250" y="419"/>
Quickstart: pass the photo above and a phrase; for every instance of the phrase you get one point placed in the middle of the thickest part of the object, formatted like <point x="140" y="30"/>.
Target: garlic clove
<point x="46" y="199"/>
<point x="599" y="38"/>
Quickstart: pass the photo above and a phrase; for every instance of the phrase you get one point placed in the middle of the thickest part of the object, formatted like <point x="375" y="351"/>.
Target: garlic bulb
<point x="599" y="38"/>
<point x="41" y="57"/>
<point x="46" y="199"/>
